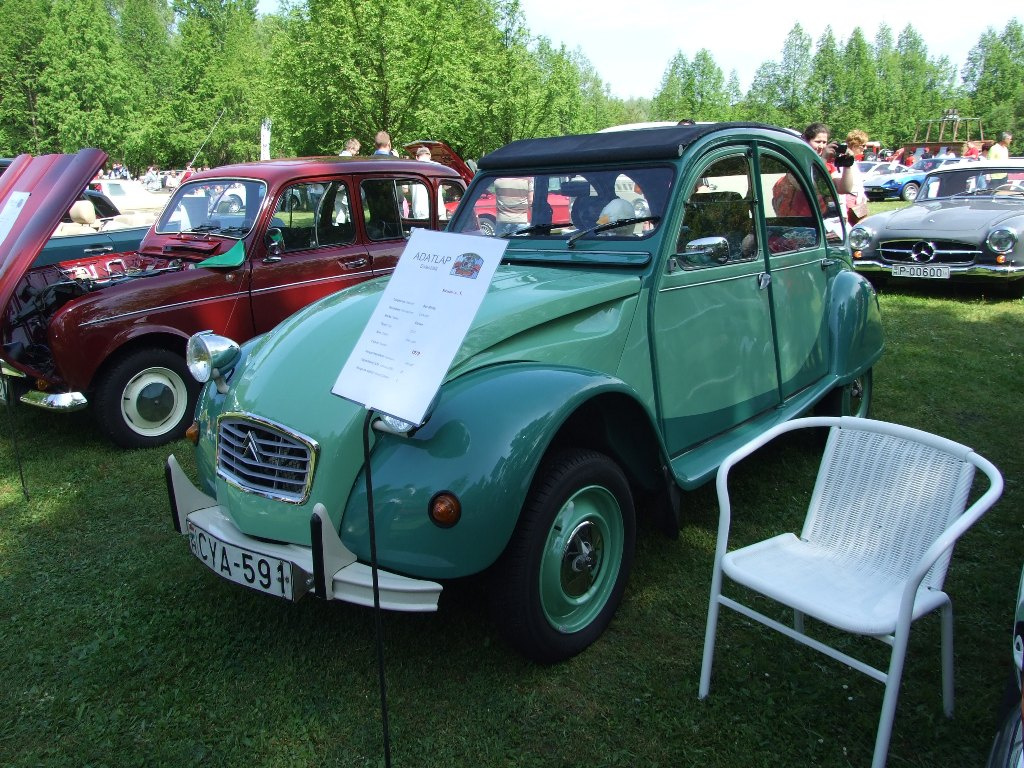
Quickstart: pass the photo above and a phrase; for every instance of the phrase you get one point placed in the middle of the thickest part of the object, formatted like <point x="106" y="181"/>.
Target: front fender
<point x="855" y="325"/>
<point x="483" y="442"/>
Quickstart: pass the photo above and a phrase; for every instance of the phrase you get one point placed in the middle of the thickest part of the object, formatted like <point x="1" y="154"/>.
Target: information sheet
<point x="412" y="337"/>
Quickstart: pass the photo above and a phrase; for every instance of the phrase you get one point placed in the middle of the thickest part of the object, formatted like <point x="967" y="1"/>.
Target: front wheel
<point x="851" y="399"/>
<point x="147" y="398"/>
<point x="909" y="193"/>
<point x="562" y="575"/>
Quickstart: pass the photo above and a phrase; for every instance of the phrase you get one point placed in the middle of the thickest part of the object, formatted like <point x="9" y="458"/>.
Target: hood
<point x="953" y="216"/>
<point x="442" y="153"/>
<point x="35" y="192"/>
<point x="292" y="365"/>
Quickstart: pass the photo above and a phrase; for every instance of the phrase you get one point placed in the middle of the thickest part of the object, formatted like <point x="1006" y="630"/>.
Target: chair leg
<point x="709" y="635"/>
<point x="892" y="693"/>
<point x="947" y="658"/>
<point x="798" y="621"/>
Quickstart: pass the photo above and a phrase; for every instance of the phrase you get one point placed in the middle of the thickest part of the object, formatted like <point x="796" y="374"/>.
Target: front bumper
<point x="982" y="271"/>
<point x="328" y="568"/>
<point x="50" y="401"/>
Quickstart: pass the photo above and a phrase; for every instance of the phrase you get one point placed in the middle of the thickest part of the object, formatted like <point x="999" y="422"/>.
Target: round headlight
<point x="1001" y="240"/>
<point x="860" y="238"/>
<point x="206" y="351"/>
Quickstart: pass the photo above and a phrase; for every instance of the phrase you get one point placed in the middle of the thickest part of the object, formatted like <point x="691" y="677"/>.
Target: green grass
<point x="119" y="649"/>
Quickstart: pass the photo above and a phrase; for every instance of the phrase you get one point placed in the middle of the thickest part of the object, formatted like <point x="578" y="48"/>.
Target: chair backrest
<point x="884" y="499"/>
<point x="83" y="212"/>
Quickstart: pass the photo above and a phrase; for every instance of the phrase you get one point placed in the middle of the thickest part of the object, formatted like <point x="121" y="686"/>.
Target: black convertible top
<point x="626" y="145"/>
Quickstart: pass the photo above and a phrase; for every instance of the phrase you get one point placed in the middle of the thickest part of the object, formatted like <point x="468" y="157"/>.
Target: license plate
<point x="250" y="569"/>
<point x="926" y="271"/>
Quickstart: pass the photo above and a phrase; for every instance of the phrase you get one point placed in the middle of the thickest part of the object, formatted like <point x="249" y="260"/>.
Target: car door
<point x="713" y="345"/>
<point x="321" y="250"/>
<point x="798" y="236"/>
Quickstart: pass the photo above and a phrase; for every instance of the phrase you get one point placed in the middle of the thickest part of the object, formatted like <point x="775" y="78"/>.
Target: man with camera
<point x="787" y="197"/>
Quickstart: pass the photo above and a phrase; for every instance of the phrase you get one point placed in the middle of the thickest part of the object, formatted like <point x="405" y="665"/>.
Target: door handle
<point x="763" y="281"/>
<point x="356" y="263"/>
<point x="98" y="249"/>
<point x="826" y="263"/>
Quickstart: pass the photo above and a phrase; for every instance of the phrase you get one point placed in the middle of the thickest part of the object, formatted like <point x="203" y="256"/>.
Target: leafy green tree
<point x="86" y="96"/>
<point x="21" y="63"/>
<point x="994" y="79"/>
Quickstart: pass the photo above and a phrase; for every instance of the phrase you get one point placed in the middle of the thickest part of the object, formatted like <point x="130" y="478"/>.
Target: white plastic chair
<point x="887" y="507"/>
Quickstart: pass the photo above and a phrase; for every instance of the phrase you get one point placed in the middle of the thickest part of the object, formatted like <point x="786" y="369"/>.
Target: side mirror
<point x="705" y="251"/>
<point x="275" y="244"/>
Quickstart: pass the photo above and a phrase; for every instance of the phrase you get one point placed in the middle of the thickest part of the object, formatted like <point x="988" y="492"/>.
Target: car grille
<point x="929" y="252"/>
<point x="266" y="459"/>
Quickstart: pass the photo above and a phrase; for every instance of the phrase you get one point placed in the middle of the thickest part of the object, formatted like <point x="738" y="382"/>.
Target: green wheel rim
<point x="582" y="559"/>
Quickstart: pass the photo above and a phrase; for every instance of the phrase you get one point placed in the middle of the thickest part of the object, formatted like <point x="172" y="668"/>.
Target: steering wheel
<point x="1009" y="189"/>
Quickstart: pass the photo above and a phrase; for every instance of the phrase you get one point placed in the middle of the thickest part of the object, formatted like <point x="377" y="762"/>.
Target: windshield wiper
<point x="611" y="225"/>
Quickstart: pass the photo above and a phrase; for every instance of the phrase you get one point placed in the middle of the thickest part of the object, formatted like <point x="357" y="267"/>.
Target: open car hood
<point x="35" y="192"/>
<point x="442" y="153"/>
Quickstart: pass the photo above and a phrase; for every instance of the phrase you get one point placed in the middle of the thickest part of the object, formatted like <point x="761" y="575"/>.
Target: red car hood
<point x="35" y="192"/>
<point x="442" y="153"/>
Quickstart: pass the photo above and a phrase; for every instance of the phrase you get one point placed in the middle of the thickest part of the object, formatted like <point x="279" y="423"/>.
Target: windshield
<point x="226" y="207"/>
<point x="568" y="206"/>
<point x="981" y="180"/>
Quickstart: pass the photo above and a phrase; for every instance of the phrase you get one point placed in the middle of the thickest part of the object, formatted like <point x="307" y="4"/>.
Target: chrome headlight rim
<point x="209" y="354"/>
<point x="1001" y="240"/>
<point x="860" y="238"/>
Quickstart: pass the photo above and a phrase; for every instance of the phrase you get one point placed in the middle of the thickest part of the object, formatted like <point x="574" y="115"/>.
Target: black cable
<point x="376" y="592"/>
<point x="14" y="437"/>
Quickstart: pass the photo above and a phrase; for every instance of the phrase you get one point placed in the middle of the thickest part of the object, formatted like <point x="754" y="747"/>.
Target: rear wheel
<point x="562" y="576"/>
<point x="852" y="399"/>
<point x="147" y="398"/>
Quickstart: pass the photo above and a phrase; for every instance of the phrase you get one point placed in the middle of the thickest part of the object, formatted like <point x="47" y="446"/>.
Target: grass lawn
<point x="119" y="649"/>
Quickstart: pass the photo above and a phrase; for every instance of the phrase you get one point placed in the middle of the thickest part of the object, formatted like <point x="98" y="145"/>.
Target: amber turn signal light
<point x="192" y="433"/>
<point x="858" y="255"/>
<point x="445" y="509"/>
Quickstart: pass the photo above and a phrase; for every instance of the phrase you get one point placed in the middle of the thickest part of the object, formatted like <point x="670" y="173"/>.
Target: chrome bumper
<point x="50" y="401"/>
<point x="974" y="270"/>
<point x="328" y="568"/>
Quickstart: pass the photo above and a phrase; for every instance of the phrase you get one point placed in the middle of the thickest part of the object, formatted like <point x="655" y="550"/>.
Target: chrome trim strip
<point x="150" y="310"/>
<point x="346" y="276"/>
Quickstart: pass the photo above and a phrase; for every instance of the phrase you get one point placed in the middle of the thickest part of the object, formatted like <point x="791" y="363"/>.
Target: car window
<point x="449" y="194"/>
<point x="334" y="222"/>
<point x="569" y="206"/>
<point x="831" y="210"/>
<point x="226" y="207"/>
<point x="718" y="225"/>
<point x="416" y="203"/>
<point x="790" y="219"/>
<point x="381" y="213"/>
<point x="295" y="215"/>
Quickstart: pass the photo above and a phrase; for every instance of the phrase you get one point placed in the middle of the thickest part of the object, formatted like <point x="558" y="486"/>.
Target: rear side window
<point x="381" y="209"/>
<point x="789" y="213"/>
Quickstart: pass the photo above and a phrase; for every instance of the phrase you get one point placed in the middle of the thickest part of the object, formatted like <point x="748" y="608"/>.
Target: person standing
<point x="1001" y="149"/>
<point x="513" y="198"/>
<point x="382" y="143"/>
<point x="351" y="148"/>
<point x="418" y="192"/>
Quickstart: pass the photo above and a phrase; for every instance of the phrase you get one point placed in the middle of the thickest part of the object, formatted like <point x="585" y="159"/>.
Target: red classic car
<point x="236" y="249"/>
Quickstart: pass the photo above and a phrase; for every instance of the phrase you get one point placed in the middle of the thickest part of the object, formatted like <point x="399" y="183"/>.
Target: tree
<point x="21" y="63"/>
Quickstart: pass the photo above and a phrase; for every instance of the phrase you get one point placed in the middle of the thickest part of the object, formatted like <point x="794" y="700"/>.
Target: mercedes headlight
<point x="1001" y="240"/>
<point x="860" y="238"/>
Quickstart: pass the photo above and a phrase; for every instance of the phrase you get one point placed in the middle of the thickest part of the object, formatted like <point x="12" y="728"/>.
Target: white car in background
<point x="129" y="195"/>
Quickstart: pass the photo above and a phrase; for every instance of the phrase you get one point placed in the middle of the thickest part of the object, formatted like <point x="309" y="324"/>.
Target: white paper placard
<point x="11" y="210"/>
<point x="426" y="309"/>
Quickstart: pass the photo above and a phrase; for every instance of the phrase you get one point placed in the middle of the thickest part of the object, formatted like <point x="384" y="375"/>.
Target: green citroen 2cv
<point x="665" y="295"/>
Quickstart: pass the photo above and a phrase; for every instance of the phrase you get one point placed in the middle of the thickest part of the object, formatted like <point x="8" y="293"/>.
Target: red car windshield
<point x="225" y="207"/>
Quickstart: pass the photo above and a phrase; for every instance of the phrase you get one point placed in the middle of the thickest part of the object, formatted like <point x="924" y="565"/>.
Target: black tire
<point x="145" y="399"/>
<point x="487" y="226"/>
<point x="909" y="192"/>
<point x="1008" y="744"/>
<point x="853" y="399"/>
<point x="561" y="578"/>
